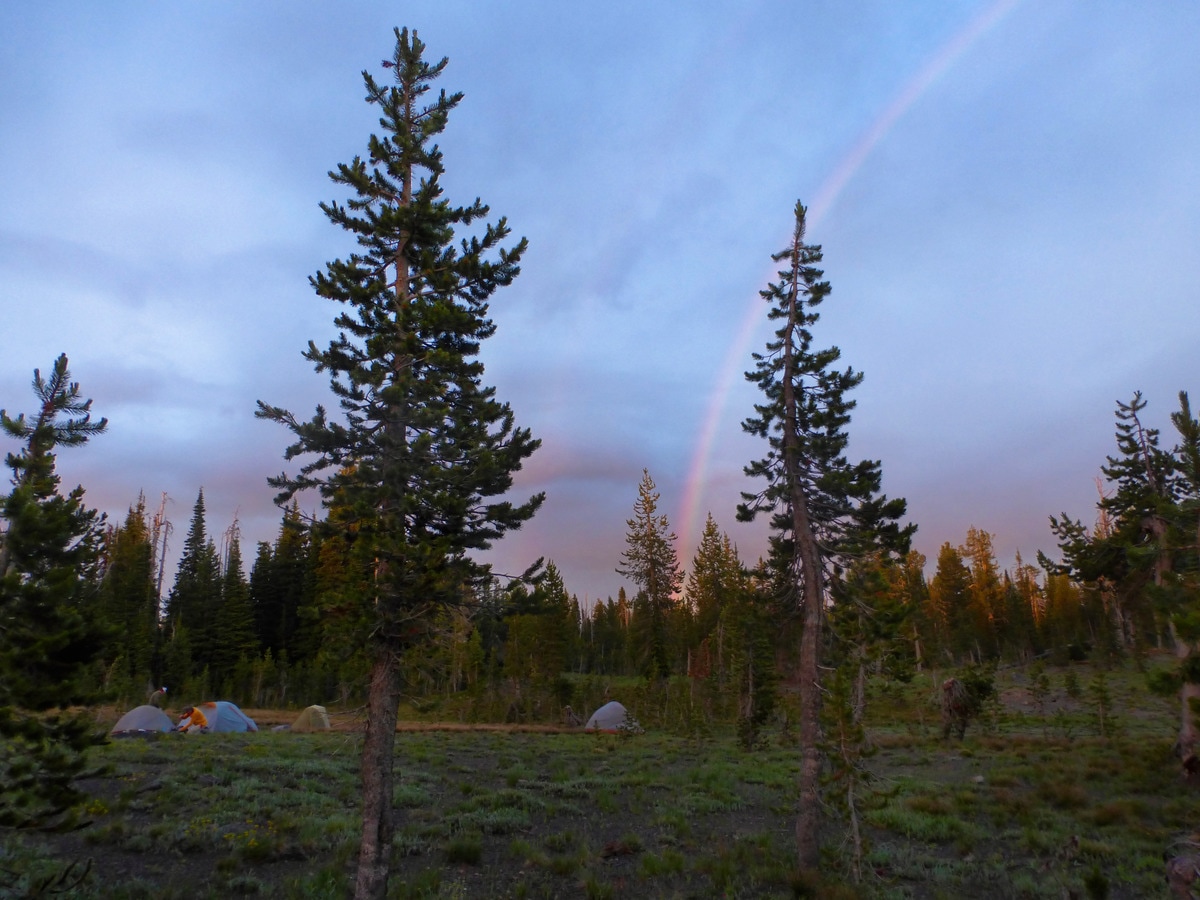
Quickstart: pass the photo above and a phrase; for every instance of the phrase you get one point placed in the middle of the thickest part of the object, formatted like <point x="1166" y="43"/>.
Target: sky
<point x="1007" y="194"/>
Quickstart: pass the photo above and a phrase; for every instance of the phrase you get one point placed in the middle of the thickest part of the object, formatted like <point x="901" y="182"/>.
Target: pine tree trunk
<point x="860" y="693"/>
<point x="811" y="574"/>
<point x="855" y="832"/>
<point x="383" y="704"/>
<point x="1112" y="605"/>
<point x="808" y="816"/>
<point x="721" y="649"/>
<point x="1185" y="746"/>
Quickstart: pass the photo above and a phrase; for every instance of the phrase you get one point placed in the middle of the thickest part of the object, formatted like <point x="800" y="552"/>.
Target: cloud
<point x="1016" y="254"/>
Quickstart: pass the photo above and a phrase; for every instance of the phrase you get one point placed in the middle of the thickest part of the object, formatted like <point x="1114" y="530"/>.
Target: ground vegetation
<point x="1035" y="802"/>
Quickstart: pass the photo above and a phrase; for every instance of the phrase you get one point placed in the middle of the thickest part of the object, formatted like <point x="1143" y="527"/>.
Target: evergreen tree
<point x="608" y="644"/>
<point x="1126" y="552"/>
<point x="562" y="627"/>
<point x="950" y="604"/>
<point x="1025" y="604"/>
<point x="129" y="598"/>
<point x="539" y="632"/>
<point x="579" y="637"/>
<point x="646" y="643"/>
<point x="1064" y="624"/>
<point x="985" y="592"/>
<point x="715" y="579"/>
<point x="282" y="588"/>
<point x="442" y="662"/>
<point x="622" y="614"/>
<point x="50" y="638"/>
<point x="422" y="445"/>
<point x="233" y="633"/>
<point x="823" y="509"/>
<point x="745" y="661"/>
<point x="649" y="561"/>
<point x="260" y="589"/>
<point x="341" y="602"/>
<point x="870" y="623"/>
<point x="1145" y="557"/>
<point x="716" y="583"/>
<point x="916" y="593"/>
<point x="194" y="606"/>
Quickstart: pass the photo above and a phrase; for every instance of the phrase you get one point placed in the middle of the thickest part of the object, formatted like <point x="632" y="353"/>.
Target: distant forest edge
<point x="291" y="633"/>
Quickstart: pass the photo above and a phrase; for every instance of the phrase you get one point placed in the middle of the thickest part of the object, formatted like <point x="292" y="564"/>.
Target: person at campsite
<point x="158" y="698"/>
<point x="192" y="718"/>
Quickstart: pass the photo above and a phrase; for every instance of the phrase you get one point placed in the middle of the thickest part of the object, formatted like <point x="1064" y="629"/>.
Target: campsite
<point x="1034" y="803"/>
<point x="441" y="632"/>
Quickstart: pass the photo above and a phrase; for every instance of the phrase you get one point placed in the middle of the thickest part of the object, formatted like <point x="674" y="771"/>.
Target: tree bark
<point x="383" y="696"/>
<point x="383" y="704"/>
<point x="808" y="816"/>
<point x="860" y="692"/>
<point x="810" y="572"/>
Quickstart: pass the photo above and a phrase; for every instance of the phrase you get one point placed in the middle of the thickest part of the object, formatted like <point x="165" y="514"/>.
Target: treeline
<point x="290" y="632"/>
<point x="293" y="631"/>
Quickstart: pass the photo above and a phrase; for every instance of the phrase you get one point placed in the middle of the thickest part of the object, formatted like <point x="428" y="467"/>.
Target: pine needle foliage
<point x="824" y="510"/>
<point x="1143" y="555"/>
<point x="422" y="453"/>
<point x="649" y="560"/>
<point x="49" y="633"/>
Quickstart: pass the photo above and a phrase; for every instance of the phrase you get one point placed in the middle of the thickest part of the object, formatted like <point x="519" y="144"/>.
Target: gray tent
<point x="142" y="720"/>
<point x="219" y="716"/>
<point x="612" y="716"/>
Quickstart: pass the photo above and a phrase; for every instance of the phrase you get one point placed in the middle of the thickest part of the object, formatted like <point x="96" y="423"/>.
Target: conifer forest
<point x="806" y="655"/>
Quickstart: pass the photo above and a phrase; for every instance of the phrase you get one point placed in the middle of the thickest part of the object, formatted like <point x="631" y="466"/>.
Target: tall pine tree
<point x="50" y="637"/>
<point x="649" y="561"/>
<point x="717" y="582"/>
<point x="193" y="608"/>
<point x="950" y="606"/>
<point x="422" y="447"/>
<point x="281" y="587"/>
<point x="823" y="509"/>
<point x="129" y="598"/>
<point x="233" y="636"/>
<point x="1146" y="557"/>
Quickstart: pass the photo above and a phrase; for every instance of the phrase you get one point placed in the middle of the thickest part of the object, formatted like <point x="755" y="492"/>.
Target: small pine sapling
<point x="847" y="783"/>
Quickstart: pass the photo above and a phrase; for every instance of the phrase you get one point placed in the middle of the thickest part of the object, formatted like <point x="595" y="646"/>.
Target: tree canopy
<point x="423" y="453"/>
<point x="49" y="584"/>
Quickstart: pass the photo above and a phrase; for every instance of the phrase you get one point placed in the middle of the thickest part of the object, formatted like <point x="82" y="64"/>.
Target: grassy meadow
<point x="1066" y="788"/>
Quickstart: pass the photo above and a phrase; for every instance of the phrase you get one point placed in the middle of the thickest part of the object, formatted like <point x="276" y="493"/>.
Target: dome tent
<point x="215" y="716"/>
<point x="311" y="718"/>
<point x="145" y="719"/>
<point x="612" y="716"/>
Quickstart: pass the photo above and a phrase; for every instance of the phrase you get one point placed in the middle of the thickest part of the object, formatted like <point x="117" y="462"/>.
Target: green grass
<point x="465" y="849"/>
<point x="1018" y="809"/>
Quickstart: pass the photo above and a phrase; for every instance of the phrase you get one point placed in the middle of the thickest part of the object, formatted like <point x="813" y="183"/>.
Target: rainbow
<point x="827" y="194"/>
